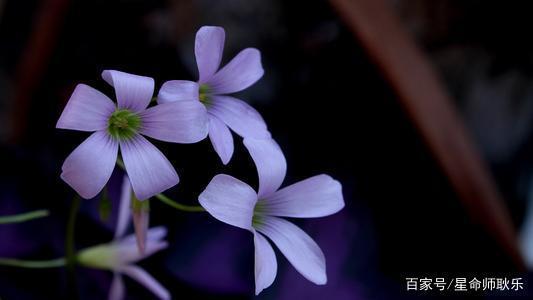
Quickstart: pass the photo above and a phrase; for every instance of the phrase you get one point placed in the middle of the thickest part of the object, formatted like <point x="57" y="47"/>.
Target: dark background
<point x="326" y="104"/>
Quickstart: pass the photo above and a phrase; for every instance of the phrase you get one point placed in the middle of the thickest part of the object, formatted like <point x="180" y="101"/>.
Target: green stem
<point x="167" y="200"/>
<point x="24" y="217"/>
<point x="179" y="206"/>
<point x="69" y="243"/>
<point x="70" y="249"/>
<point x="33" y="264"/>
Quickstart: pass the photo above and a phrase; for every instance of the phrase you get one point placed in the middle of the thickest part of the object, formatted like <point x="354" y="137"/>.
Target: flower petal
<point x="133" y="92"/>
<point x="145" y="279"/>
<point x="266" y="265"/>
<point x="123" y="219"/>
<point x="221" y="139"/>
<point x="229" y="200"/>
<point x="270" y="163"/>
<point x="178" y="122"/>
<point x="208" y="49"/>
<point x="88" y="168"/>
<point x="178" y="90"/>
<point x="241" y="72"/>
<point x="127" y="251"/>
<point x="154" y="234"/>
<point x="298" y="247"/>
<point x="149" y="170"/>
<point x="313" y="197"/>
<point x="86" y="110"/>
<point x="117" y="289"/>
<point x="239" y="116"/>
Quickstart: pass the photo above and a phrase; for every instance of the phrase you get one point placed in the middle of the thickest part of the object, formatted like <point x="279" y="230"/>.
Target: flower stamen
<point x="257" y="219"/>
<point x="123" y="124"/>
<point x="205" y="94"/>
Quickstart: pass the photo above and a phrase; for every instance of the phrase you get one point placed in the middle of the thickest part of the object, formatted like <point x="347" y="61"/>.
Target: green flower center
<point x="123" y="124"/>
<point x="257" y="219"/>
<point x="205" y="94"/>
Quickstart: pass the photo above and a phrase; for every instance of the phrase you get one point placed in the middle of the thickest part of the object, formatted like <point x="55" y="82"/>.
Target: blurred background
<point x="329" y="102"/>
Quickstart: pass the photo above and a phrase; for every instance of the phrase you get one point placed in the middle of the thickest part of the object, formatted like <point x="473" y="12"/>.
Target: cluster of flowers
<point x="187" y="112"/>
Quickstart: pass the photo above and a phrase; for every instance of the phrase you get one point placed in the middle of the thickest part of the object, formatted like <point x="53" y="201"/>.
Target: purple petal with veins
<point x="86" y="110"/>
<point x="88" y="168"/>
<point x="181" y="122"/>
<point x="133" y="92"/>
<point x="266" y="265"/>
<point x="270" y="163"/>
<point x="241" y="72"/>
<point x="124" y="216"/>
<point x="178" y="90"/>
<point x="298" y="247"/>
<point x="221" y="139"/>
<point x="229" y="200"/>
<point x="314" y="197"/>
<point x="208" y="48"/>
<point x="149" y="170"/>
<point x="239" y="116"/>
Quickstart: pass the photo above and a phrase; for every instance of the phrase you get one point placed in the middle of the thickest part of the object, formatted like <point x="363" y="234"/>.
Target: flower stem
<point x="24" y="216"/>
<point x="178" y="206"/>
<point x="167" y="200"/>
<point x="69" y="243"/>
<point x="70" y="249"/>
<point x="33" y="264"/>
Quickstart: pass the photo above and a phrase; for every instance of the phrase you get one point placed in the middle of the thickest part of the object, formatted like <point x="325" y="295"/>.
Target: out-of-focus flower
<point x="213" y="85"/>
<point x="120" y="255"/>
<point x="88" y="168"/>
<point x="236" y="203"/>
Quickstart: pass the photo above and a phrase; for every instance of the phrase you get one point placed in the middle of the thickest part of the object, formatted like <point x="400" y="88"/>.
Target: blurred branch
<point x="421" y="93"/>
<point x="34" y="60"/>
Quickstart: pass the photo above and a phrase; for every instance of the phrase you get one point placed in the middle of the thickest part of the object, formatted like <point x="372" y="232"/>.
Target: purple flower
<point x="120" y="254"/>
<point x="89" y="166"/>
<point x="236" y="203"/>
<point x="213" y="85"/>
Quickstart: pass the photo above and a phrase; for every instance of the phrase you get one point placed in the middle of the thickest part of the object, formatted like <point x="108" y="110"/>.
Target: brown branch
<point x="34" y="60"/>
<point x="422" y="95"/>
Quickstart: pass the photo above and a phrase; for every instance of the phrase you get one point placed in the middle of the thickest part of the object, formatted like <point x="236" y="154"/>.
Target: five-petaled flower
<point x="120" y="255"/>
<point x="89" y="166"/>
<point x="213" y="85"/>
<point x="236" y="203"/>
